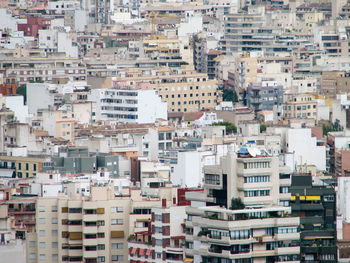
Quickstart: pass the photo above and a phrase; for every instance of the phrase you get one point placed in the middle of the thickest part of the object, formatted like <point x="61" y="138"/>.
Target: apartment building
<point x="264" y="96"/>
<point x="128" y="105"/>
<point x="183" y="88"/>
<point x="36" y="69"/>
<point x="315" y="202"/>
<point x="24" y="166"/>
<point x="243" y="214"/>
<point x="300" y="106"/>
<point x="167" y="48"/>
<point x="165" y="240"/>
<point x="94" y="228"/>
<point x="249" y="31"/>
<point x="334" y="82"/>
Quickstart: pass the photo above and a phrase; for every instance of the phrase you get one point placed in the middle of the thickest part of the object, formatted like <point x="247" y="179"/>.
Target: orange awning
<point x="148" y="252"/>
<point x="133" y="251"/>
<point x="141" y="251"/>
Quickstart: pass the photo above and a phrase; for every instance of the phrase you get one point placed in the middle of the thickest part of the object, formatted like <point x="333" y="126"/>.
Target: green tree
<point x="230" y="127"/>
<point x="263" y="127"/>
<point x="22" y="90"/>
<point x="229" y="95"/>
<point x="236" y="204"/>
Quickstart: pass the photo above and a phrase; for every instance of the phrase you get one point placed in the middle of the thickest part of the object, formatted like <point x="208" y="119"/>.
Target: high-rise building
<point x="243" y="214"/>
<point x="315" y="203"/>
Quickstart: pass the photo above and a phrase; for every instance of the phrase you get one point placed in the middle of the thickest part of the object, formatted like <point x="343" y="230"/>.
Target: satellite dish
<point x="257" y="151"/>
<point x="251" y="151"/>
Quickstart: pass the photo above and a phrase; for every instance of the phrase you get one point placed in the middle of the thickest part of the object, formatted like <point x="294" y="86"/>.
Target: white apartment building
<point x="128" y="105"/>
<point x="260" y="230"/>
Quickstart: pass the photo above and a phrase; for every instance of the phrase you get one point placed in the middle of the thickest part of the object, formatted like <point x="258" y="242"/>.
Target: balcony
<point x="287" y="250"/>
<point x="90" y="242"/>
<point x="21" y="211"/>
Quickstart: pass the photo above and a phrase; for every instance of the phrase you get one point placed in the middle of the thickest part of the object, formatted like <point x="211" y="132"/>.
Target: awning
<point x="133" y="251"/>
<point x="148" y="252"/>
<point x="117" y="234"/>
<point x="189" y="260"/>
<point x="141" y="251"/>
<point x="142" y="220"/>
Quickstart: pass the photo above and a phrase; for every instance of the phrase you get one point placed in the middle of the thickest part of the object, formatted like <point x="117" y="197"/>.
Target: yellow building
<point x="184" y="89"/>
<point x="24" y="167"/>
<point x="300" y="106"/>
<point x="161" y="47"/>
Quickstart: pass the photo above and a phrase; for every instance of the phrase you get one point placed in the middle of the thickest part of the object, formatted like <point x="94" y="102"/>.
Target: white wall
<point x="343" y="202"/>
<point x="187" y="172"/>
<point x="151" y="107"/>
<point x="7" y="21"/>
<point x="35" y="91"/>
<point x="305" y="148"/>
<point x="16" y="104"/>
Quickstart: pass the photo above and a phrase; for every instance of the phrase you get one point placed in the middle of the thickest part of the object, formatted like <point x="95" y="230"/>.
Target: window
<point x="32" y="256"/>
<point x="54" y="208"/>
<point x="118" y="221"/>
<point x="256" y="165"/>
<point x="101" y="247"/>
<point x="42" y="257"/>
<point x="159" y="255"/>
<point x="55" y="257"/>
<point x="42" y="245"/>
<point x="54" y="233"/>
<point x="54" y="245"/>
<point x="27" y="166"/>
<point x="240" y="234"/>
<point x="212" y="179"/>
<point x="101" y="259"/>
<point x="159" y="242"/>
<point x="158" y="217"/>
<point x="117" y="209"/>
<point x="54" y="220"/>
<point x="42" y="233"/>
<point x="117" y="257"/>
<point x="254" y="193"/>
<point x="41" y="208"/>
<point x="328" y="198"/>
<point x="74" y="210"/>
<point x="31" y="243"/>
<point x="286" y="230"/>
<point x="284" y="203"/>
<point x="42" y="221"/>
<point x="284" y="189"/>
<point x="257" y="179"/>
<point x="117" y="245"/>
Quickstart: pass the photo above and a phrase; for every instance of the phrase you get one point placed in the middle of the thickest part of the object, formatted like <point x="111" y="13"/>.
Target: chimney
<point x="164" y="203"/>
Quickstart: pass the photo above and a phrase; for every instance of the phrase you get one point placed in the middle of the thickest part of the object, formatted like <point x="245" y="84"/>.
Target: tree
<point x="230" y="127"/>
<point x="263" y="127"/>
<point x="329" y="128"/>
<point x="22" y="90"/>
<point x="229" y="95"/>
<point x="236" y="204"/>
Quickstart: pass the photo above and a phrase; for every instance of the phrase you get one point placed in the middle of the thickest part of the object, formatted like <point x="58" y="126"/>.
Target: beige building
<point x="334" y="82"/>
<point x="183" y="88"/>
<point x="89" y="229"/>
<point x="300" y="106"/>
